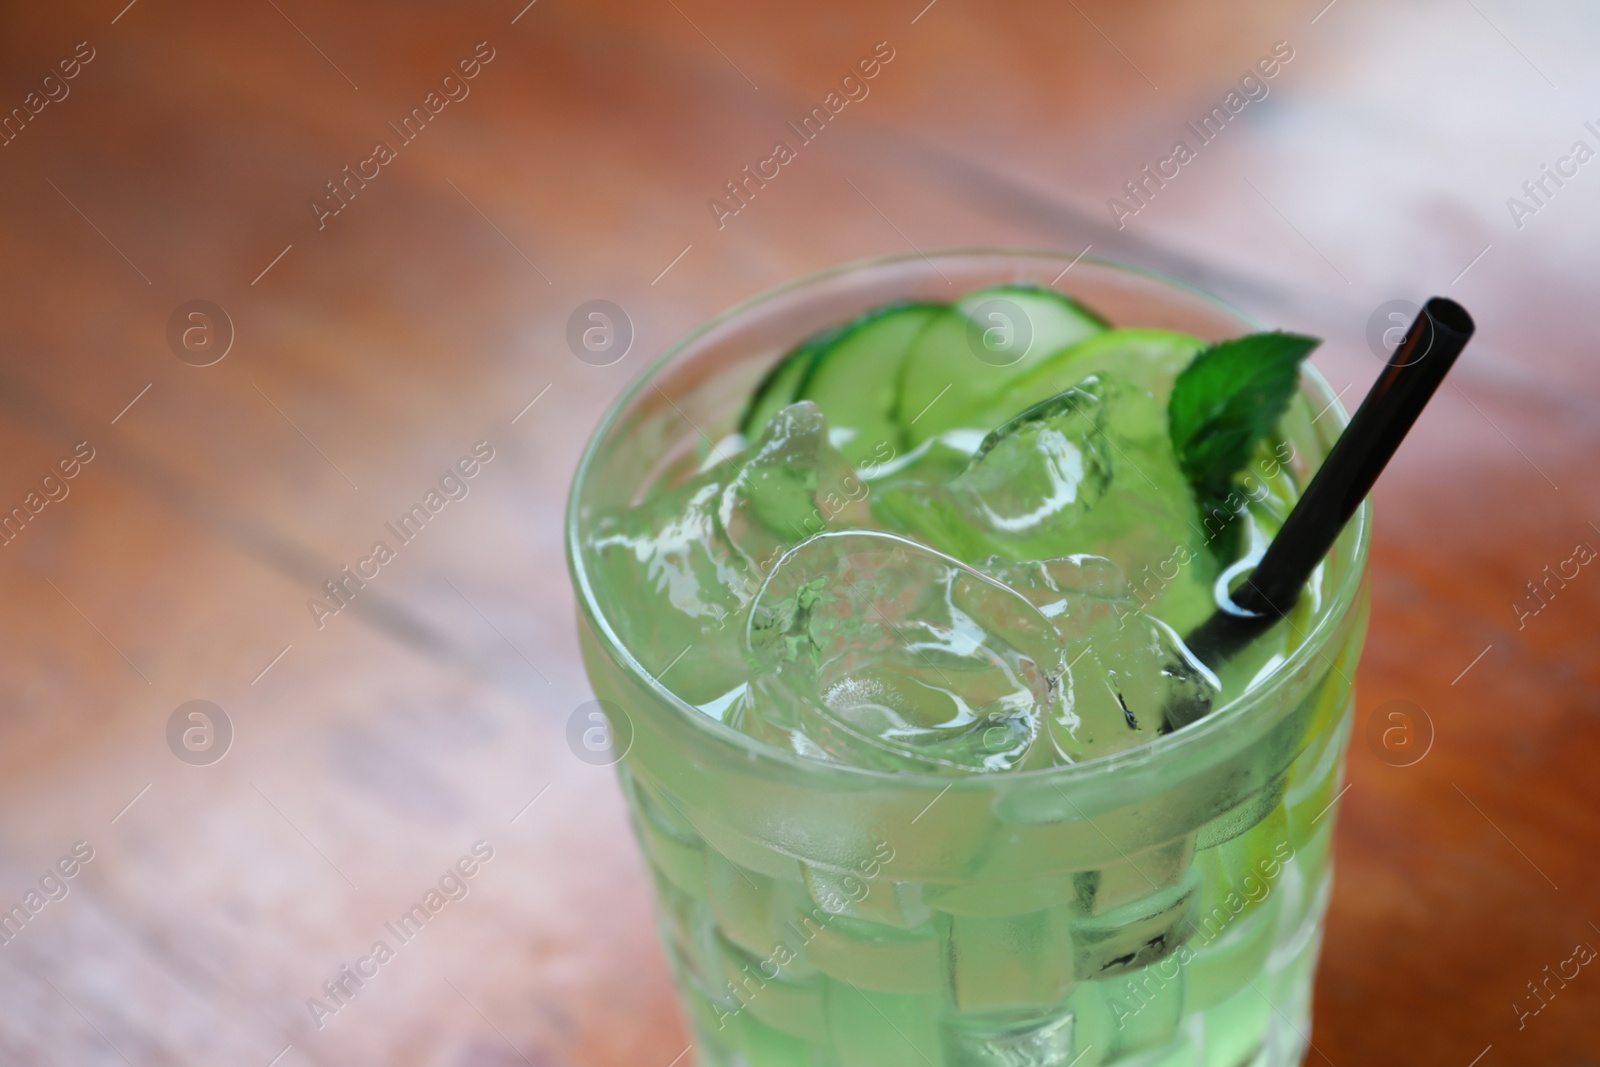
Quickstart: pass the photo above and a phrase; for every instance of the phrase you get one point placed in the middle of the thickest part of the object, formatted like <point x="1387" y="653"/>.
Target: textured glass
<point x="1162" y="905"/>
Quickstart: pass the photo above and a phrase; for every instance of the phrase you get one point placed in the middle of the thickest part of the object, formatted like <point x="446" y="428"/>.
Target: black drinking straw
<point x="1386" y="415"/>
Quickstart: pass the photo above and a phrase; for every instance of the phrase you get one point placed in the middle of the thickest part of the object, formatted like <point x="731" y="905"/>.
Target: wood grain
<point x="431" y="310"/>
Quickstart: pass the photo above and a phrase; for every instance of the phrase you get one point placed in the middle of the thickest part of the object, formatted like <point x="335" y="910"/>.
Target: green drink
<point x="887" y="573"/>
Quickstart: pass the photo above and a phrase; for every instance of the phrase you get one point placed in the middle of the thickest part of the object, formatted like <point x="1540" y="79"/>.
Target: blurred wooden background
<point x="180" y="163"/>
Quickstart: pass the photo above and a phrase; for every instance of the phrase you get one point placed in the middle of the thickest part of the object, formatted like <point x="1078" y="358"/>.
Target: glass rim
<point x="1162" y="748"/>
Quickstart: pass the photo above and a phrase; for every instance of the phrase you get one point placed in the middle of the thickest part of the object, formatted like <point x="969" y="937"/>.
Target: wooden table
<point x="372" y="347"/>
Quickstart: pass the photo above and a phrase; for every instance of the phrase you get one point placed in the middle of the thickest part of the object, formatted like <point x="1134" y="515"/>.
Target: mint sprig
<point x="1224" y="404"/>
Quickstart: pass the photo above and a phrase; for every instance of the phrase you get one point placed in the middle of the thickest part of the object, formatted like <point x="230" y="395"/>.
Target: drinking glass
<point x="1163" y="905"/>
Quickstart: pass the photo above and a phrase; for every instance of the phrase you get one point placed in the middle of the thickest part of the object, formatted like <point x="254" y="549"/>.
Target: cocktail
<point x="885" y="576"/>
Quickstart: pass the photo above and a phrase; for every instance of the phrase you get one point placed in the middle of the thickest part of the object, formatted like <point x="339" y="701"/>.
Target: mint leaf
<point x="1223" y="405"/>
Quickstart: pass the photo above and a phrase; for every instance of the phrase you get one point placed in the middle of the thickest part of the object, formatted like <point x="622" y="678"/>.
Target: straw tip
<point x="1449" y="314"/>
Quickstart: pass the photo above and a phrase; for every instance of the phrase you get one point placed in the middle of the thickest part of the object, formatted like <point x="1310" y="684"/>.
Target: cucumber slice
<point x="1145" y="358"/>
<point x="1053" y="320"/>
<point x="987" y="340"/>
<point x="778" y="387"/>
<point x="855" y="380"/>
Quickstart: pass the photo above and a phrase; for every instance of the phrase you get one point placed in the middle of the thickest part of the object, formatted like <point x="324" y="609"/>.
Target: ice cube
<point x="685" y="583"/>
<point x="1125" y="676"/>
<point x="878" y="651"/>
<point x="792" y="484"/>
<point x="938" y="459"/>
<point x="1074" y="592"/>
<point x="692" y="558"/>
<point x="1126" y="670"/>
<point x="1090" y="470"/>
<point x="1032" y="479"/>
